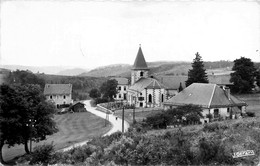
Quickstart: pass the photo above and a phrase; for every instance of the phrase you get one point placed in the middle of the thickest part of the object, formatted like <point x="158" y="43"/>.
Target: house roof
<point x="204" y="95"/>
<point x="173" y="82"/>
<point x="140" y="63"/>
<point x="57" y="89"/>
<point x="220" y="79"/>
<point x="146" y="83"/>
<point x="121" y="80"/>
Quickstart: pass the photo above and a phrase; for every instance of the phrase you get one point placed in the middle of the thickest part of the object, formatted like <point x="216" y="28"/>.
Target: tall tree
<point x="197" y="74"/>
<point x="109" y="89"/>
<point x="258" y="77"/>
<point x="94" y="93"/>
<point x="25" y="115"/>
<point x="244" y="76"/>
<point x="9" y="118"/>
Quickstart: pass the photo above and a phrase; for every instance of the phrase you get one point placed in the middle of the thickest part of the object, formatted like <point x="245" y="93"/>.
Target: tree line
<point x="245" y="77"/>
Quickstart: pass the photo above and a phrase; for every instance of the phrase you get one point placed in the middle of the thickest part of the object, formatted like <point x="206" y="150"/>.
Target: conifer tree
<point x="180" y="87"/>
<point x="197" y="74"/>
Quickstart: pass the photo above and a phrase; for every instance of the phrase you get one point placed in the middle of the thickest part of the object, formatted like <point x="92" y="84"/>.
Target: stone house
<point x="214" y="100"/>
<point x="60" y="94"/>
<point x="122" y="87"/>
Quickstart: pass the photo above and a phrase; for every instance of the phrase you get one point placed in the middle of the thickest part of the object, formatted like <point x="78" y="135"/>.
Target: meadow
<point x="73" y="128"/>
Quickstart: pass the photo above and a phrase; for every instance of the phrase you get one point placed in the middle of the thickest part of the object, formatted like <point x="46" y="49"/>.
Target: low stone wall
<point x="103" y="109"/>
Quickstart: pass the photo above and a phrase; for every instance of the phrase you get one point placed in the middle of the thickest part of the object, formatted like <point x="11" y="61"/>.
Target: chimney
<point x="227" y="91"/>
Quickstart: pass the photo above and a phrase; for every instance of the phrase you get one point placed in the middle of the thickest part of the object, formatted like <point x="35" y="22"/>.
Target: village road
<point x="116" y="123"/>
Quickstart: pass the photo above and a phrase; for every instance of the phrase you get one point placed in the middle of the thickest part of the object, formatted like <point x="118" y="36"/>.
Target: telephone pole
<point x="123" y="119"/>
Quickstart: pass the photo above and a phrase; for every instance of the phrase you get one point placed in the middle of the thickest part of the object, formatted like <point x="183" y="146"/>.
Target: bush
<point x="250" y="114"/>
<point x="42" y="154"/>
<point x="213" y="127"/>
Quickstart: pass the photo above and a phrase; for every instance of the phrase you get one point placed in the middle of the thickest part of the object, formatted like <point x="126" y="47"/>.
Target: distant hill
<point x="157" y="68"/>
<point x="110" y="70"/>
<point x="72" y="72"/>
<point x="57" y="70"/>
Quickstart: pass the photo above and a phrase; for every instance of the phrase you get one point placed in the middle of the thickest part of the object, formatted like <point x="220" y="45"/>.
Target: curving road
<point x="116" y="124"/>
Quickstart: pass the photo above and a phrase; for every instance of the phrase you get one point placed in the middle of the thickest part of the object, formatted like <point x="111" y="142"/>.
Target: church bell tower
<point x="139" y="69"/>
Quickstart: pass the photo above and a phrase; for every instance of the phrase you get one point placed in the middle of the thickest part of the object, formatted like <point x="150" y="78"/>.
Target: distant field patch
<point x="73" y="128"/>
<point x="253" y="101"/>
<point x="140" y="113"/>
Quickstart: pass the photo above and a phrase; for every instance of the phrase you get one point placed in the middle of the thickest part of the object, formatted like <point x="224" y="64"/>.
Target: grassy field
<point x="73" y="128"/>
<point x="140" y="113"/>
<point x="253" y="102"/>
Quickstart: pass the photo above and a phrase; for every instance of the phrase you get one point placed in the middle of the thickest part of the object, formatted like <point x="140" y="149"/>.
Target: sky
<point x="90" y="34"/>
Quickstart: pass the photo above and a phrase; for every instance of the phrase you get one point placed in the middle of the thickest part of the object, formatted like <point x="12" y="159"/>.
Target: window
<point x="140" y="98"/>
<point x="124" y="87"/>
<point x="141" y="104"/>
<point x="64" y="97"/>
<point x="119" y="88"/>
<point x="162" y="98"/>
<point x="50" y="97"/>
<point x="150" y="98"/>
<point x="141" y="94"/>
<point x="119" y="96"/>
<point x="216" y="113"/>
<point x="228" y="109"/>
<point x="141" y="74"/>
<point x="124" y="96"/>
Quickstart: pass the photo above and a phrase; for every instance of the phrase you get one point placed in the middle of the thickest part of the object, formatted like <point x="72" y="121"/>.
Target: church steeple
<point x="140" y="63"/>
<point x="139" y="69"/>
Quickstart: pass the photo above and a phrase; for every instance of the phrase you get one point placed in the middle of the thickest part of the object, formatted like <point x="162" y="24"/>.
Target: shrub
<point x="213" y="127"/>
<point x="250" y="114"/>
<point x="42" y="154"/>
<point x="79" y="154"/>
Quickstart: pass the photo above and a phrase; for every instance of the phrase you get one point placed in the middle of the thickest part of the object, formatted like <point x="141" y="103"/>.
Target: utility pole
<point x="123" y="119"/>
<point x="107" y="118"/>
<point x="30" y="124"/>
<point x="134" y="115"/>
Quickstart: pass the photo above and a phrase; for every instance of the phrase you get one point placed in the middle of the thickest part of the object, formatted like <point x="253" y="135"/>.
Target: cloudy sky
<point x="90" y="34"/>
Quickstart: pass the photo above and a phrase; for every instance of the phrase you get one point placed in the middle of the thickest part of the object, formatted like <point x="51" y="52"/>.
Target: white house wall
<point x="121" y="92"/>
<point x="59" y="99"/>
<point x="156" y="97"/>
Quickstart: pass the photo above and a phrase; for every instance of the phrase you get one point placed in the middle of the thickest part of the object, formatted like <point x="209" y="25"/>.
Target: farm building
<point x="214" y="100"/>
<point x="78" y="107"/>
<point x="60" y="94"/>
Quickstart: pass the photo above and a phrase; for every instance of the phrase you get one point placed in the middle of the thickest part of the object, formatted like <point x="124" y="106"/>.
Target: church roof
<point x="146" y="83"/>
<point x="140" y="63"/>
<point x="204" y="95"/>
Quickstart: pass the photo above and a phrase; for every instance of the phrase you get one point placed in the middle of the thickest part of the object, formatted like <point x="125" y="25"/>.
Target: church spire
<point x="140" y="63"/>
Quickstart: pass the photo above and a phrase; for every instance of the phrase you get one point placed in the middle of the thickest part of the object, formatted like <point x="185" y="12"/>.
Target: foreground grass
<point x="210" y="144"/>
<point x="73" y="128"/>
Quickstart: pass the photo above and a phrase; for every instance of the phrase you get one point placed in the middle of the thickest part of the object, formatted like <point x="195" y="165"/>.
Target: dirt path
<point x="116" y="123"/>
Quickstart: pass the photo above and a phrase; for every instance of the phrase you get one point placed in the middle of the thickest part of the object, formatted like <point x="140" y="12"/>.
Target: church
<point x="144" y="91"/>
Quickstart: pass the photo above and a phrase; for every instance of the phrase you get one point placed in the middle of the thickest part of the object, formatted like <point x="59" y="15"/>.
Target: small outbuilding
<point x="77" y="107"/>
